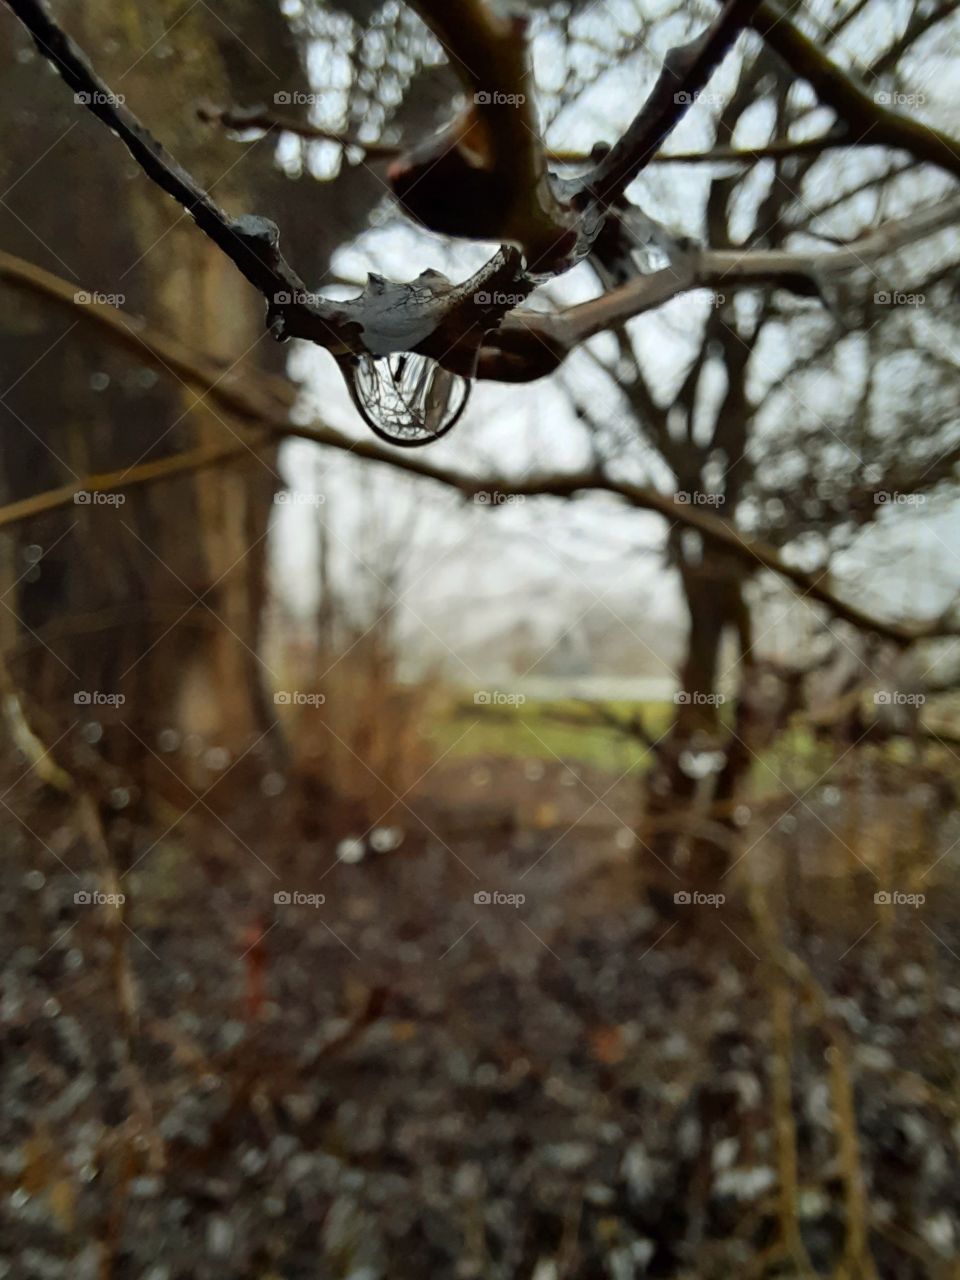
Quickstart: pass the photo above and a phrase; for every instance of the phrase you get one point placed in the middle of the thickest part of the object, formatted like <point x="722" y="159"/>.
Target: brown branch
<point x="240" y="119"/>
<point x="429" y="316"/>
<point x="530" y="344"/>
<point x="485" y="176"/>
<point x="144" y="473"/>
<point x="872" y="121"/>
<point x="267" y="403"/>
<point x="686" y="69"/>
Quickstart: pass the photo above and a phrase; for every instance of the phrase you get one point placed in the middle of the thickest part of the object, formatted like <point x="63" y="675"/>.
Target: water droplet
<point x="407" y="399"/>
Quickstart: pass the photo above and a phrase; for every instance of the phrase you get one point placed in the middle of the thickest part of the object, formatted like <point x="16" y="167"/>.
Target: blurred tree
<point x="787" y="418"/>
<point x="159" y="599"/>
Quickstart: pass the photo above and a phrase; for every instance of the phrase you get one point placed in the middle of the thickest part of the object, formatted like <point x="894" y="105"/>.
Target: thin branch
<point x="239" y="119"/>
<point x="686" y="69"/>
<point x="863" y="115"/>
<point x="139" y="476"/>
<point x="429" y="316"/>
<point x="239" y="397"/>
<point x="530" y="344"/>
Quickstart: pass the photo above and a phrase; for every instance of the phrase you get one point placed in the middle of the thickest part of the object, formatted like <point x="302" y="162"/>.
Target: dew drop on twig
<point x="407" y="399"/>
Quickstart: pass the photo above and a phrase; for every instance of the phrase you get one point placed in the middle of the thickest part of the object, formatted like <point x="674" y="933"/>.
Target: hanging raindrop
<point x="407" y="399"/>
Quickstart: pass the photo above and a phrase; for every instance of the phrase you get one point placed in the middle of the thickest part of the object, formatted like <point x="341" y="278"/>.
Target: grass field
<point x="574" y="730"/>
<point x="570" y="730"/>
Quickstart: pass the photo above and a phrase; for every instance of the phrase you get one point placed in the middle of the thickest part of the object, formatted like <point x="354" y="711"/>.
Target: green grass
<point x="545" y="730"/>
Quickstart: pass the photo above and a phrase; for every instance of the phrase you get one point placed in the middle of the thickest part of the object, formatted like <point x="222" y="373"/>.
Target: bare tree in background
<point x="778" y="270"/>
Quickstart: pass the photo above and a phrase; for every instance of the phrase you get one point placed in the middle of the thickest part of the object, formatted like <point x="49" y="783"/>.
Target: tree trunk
<point x="683" y="784"/>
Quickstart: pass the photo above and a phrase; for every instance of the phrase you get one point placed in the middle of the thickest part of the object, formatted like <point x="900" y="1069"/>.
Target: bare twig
<point x="260" y="403"/>
<point x="685" y="71"/>
<point x="240" y="119"/>
<point x="864" y="114"/>
<point x="429" y="316"/>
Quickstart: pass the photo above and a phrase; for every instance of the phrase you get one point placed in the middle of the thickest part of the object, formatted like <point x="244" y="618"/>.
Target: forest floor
<point x="576" y="1078"/>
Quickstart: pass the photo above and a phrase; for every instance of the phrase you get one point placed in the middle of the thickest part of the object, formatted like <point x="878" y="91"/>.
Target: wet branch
<point x="264" y="406"/>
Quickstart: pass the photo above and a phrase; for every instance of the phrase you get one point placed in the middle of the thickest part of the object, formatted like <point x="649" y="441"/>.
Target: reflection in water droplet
<point x="407" y="399"/>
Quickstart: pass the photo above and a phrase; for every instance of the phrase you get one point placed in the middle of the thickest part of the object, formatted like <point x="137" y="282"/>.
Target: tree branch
<point x="266" y="405"/>
<point x="686" y="69"/>
<point x="859" y="111"/>
<point x="239" y="119"/>
<point x="530" y="344"/>
<point x="429" y="316"/>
